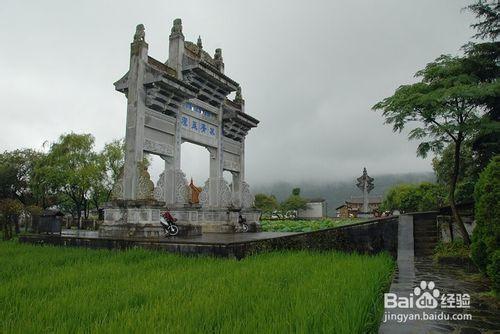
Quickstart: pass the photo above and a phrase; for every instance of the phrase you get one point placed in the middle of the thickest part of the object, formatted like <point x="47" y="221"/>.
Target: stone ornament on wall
<point x="224" y="194"/>
<point x="158" y="148"/>
<point x="247" y="199"/>
<point x="145" y="186"/>
<point x="117" y="192"/>
<point x="203" y="197"/>
<point x="159" y="191"/>
<point x="181" y="187"/>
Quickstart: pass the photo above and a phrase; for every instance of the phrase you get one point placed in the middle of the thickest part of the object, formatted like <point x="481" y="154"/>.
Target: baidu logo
<point x="427" y="296"/>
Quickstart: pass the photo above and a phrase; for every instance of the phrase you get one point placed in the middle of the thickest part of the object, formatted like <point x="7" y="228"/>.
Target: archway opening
<point x="195" y="163"/>
<point x="156" y="165"/>
<point x="228" y="177"/>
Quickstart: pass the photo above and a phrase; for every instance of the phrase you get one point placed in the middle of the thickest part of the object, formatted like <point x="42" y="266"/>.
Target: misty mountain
<point x="336" y="192"/>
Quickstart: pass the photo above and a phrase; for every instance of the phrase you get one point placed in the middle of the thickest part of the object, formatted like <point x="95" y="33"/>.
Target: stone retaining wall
<point x="369" y="237"/>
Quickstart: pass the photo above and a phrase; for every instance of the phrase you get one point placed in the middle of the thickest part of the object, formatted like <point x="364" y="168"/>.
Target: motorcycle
<point x="168" y="224"/>
<point x="243" y="223"/>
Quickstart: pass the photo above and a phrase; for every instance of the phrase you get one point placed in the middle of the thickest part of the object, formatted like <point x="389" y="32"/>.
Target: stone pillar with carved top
<point x="136" y="108"/>
<point x="176" y="47"/>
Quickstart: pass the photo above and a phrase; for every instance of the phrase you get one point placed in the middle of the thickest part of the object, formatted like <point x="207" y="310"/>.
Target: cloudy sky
<point x="310" y="72"/>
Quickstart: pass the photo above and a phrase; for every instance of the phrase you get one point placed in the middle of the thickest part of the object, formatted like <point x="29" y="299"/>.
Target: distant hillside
<point x="335" y="193"/>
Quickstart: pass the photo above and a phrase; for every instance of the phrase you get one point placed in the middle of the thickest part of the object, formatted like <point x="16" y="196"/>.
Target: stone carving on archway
<point x="224" y="197"/>
<point x="247" y="199"/>
<point x="181" y="186"/>
<point x="159" y="191"/>
<point x="145" y="186"/>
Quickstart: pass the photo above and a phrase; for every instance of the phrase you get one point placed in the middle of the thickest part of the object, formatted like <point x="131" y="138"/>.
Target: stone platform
<point x="141" y="219"/>
<point x="368" y="237"/>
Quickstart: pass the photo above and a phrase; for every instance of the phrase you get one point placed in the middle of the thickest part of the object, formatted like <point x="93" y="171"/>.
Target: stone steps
<point x="425" y="234"/>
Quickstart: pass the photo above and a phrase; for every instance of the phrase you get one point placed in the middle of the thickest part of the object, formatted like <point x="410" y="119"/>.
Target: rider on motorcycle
<point x="168" y="217"/>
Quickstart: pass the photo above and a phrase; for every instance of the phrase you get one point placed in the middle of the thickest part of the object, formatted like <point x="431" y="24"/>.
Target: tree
<point x="488" y="13"/>
<point x="486" y="235"/>
<point x="10" y="210"/>
<point x="16" y="173"/>
<point x="34" y="212"/>
<point x="294" y="202"/>
<point x="267" y="204"/>
<point x="110" y="163"/>
<point x="481" y="60"/>
<point x="425" y="196"/>
<point x="468" y="173"/>
<point x="71" y="169"/>
<point x="443" y="105"/>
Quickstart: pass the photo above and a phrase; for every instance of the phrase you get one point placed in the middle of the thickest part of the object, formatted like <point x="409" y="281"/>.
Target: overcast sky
<point x="310" y="72"/>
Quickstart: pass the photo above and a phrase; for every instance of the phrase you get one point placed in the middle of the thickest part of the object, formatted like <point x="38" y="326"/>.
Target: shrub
<point x="494" y="270"/>
<point x="414" y="197"/>
<point x="456" y="249"/>
<point x="486" y="235"/>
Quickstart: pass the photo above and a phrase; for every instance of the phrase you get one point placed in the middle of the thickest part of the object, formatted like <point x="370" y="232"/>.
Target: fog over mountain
<point x="335" y="193"/>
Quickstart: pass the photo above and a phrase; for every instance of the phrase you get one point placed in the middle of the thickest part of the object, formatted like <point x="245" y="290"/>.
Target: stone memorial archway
<point x="183" y="99"/>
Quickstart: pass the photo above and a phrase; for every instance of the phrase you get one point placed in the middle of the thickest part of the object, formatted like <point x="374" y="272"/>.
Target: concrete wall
<point x="314" y="210"/>
<point x="370" y="237"/>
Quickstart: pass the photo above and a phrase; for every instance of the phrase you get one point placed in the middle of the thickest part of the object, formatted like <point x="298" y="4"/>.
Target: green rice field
<point x="304" y="225"/>
<point x="74" y="290"/>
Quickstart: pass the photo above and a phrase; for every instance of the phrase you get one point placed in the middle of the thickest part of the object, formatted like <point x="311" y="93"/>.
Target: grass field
<point x="304" y="225"/>
<point x="48" y="289"/>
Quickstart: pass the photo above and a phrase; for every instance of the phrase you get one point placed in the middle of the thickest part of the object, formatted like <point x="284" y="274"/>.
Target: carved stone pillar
<point x="136" y="108"/>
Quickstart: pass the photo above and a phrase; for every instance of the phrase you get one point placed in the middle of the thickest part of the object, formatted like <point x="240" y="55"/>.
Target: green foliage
<point x="488" y="14"/>
<point x="10" y="209"/>
<point x="34" y="210"/>
<point x="481" y="60"/>
<point x="110" y="164"/>
<point x="294" y="202"/>
<point x="442" y="102"/>
<point x="304" y="225"/>
<point x="486" y="236"/>
<point x="456" y="249"/>
<point x="50" y="289"/>
<point x="266" y="203"/>
<point x="71" y="168"/>
<point x="425" y="196"/>
<point x="468" y="172"/>
<point x="494" y="270"/>
<point x="16" y="173"/>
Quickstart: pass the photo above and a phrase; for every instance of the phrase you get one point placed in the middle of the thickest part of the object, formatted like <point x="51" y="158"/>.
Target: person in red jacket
<point x="168" y="217"/>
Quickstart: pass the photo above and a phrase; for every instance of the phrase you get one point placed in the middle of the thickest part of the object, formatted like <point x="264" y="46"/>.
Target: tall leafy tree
<point x="71" y="169"/>
<point x="482" y="60"/>
<point x="10" y="209"/>
<point x="266" y="203"/>
<point x="110" y="163"/>
<point x="468" y="173"/>
<point x="16" y="173"/>
<point x="294" y="202"/>
<point x="443" y="108"/>
<point x="488" y="14"/>
<point x="409" y="197"/>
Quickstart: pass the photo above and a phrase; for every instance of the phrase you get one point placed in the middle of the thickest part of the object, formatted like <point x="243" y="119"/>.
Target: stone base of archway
<point x="137" y="219"/>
